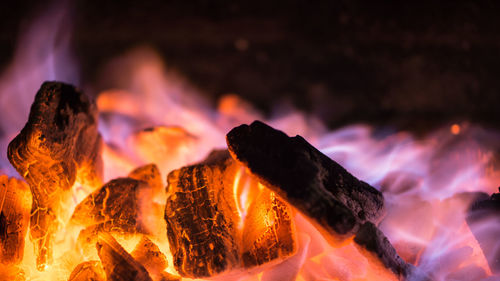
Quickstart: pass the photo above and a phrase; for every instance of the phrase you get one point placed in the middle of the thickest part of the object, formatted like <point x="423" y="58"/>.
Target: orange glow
<point x="455" y="129"/>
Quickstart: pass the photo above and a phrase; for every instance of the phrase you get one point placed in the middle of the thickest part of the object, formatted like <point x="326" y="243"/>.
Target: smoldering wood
<point x="58" y="145"/>
<point x="200" y="215"/>
<point x="15" y="207"/>
<point x="483" y="218"/>
<point x="87" y="238"/>
<point x="165" y="276"/>
<point x="149" y="255"/>
<point x="269" y="231"/>
<point x="150" y="174"/>
<point x="117" y="263"/>
<point x="88" y="271"/>
<point x="306" y="178"/>
<point x="120" y="203"/>
<point x="372" y="242"/>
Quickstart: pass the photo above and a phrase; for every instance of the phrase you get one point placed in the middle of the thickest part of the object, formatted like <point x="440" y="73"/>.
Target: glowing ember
<point x="151" y="115"/>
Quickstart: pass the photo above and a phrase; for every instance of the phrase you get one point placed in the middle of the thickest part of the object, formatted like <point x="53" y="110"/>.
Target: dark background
<point x="410" y="65"/>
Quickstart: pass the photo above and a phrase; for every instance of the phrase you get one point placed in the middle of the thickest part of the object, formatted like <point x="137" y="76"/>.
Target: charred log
<point x="88" y="271"/>
<point x="483" y="219"/>
<point x="306" y="178"/>
<point x="15" y="206"/>
<point x="121" y="203"/>
<point x="117" y="263"/>
<point x="200" y="215"/>
<point x="87" y="238"/>
<point x="150" y="174"/>
<point x="58" y="145"/>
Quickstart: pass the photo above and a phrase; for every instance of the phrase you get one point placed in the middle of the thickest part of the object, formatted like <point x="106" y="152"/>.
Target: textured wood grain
<point x="149" y="255"/>
<point x="58" y="145"/>
<point x="117" y="263"/>
<point x="306" y="178"/>
<point x="15" y="207"/>
<point x="88" y="271"/>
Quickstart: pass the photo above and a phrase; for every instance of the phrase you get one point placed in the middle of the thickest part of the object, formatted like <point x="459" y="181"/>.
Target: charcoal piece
<point x="58" y="145"/>
<point x="150" y="174"/>
<point x="483" y="218"/>
<point x="310" y="181"/>
<point x="87" y="238"/>
<point x="201" y="214"/>
<point x="376" y="247"/>
<point x="122" y="202"/>
<point x="149" y="255"/>
<point x="88" y="271"/>
<point x="269" y="231"/>
<point x="15" y="206"/>
<point x="117" y="263"/>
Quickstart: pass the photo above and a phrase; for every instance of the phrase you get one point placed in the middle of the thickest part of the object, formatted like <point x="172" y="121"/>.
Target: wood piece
<point x="306" y="178"/>
<point x="88" y="271"/>
<point x="483" y="218"/>
<point x="149" y="255"/>
<point x="117" y="263"/>
<point x="376" y="247"/>
<point x="87" y="238"/>
<point x="269" y="231"/>
<point x="122" y="203"/>
<point x="58" y="145"/>
<point x="200" y="215"/>
<point x="15" y="206"/>
<point x="150" y="174"/>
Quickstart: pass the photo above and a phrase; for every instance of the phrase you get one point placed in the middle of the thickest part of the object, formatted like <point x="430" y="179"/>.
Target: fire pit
<point x="145" y="181"/>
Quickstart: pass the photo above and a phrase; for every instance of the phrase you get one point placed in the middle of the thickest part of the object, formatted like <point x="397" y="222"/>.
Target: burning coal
<point x="140" y="185"/>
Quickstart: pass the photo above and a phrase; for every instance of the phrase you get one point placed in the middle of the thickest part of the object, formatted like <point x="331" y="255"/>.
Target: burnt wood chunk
<point x="149" y="255"/>
<point x="269" y="230"/>
<point x="88" y="271"/>
<point x="117" y="263"/>
<point x="87" y="238"/>
<point x="58" y="145"/>
<point x="121" y="203"/>
<point x="306" y="178"/>
<point x="150" y="174"/>
<point x="376" y="247"/>
<point x="15" y="206"/>
<point x="483" y="218"/>
<point x="201" y="214"/>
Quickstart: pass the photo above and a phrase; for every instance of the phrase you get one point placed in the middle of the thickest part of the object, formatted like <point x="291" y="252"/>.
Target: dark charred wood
<point x="87" y="238"/>
<point x="483" y="218"/>
<point x="306" y="178"/>
<point x="58" y="145"/>
<point x="200" y="215"/>
<point x="88" y="271"/>
<point x="15" y="206"/>
<point x="117" y="263"/>
<point x="149" y="255"/>
<point x="150" y="174"/>
<point x="369" y="238"/>
<point x="121" y="203"/>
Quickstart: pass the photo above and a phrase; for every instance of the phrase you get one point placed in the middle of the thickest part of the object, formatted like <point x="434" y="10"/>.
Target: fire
<point x="152" y="115"/>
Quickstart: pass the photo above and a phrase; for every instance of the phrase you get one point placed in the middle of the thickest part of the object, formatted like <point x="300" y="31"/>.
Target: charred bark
<point x="117" y="263"/>
<point x="15" y="206"/>
<point x="306" y="178"/>
<point x="58" y="145"/>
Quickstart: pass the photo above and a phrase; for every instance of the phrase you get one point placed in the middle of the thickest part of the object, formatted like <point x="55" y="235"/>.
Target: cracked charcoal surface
<point x="88" y="271"/>
<point x="58" y="145"/>
<point x="306" y="178"/>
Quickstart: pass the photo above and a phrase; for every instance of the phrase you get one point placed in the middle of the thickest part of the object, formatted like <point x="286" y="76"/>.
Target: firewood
<point x="150" y="174"/>
<point x="483" y="218"/>
<point x="206" y="232"/>
<point x="200" y="214"/>
<point x="117" y="263"/>
<point x="88" y="271"/>
<point x="149" y="255"/>
<point x="269" y="230"/>
<point x="15" y="206"/>
<point x="87" y="238"/>
<point x="58" y="145"/>
<point x="122" y="202"/>
<point x="306" y="178"/>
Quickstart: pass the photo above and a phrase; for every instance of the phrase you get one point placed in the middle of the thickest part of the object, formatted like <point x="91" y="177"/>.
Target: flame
<point x="423" y="180"/>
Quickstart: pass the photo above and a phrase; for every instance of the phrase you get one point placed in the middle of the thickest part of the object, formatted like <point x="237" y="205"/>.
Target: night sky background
<point x="409" y="65"/>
